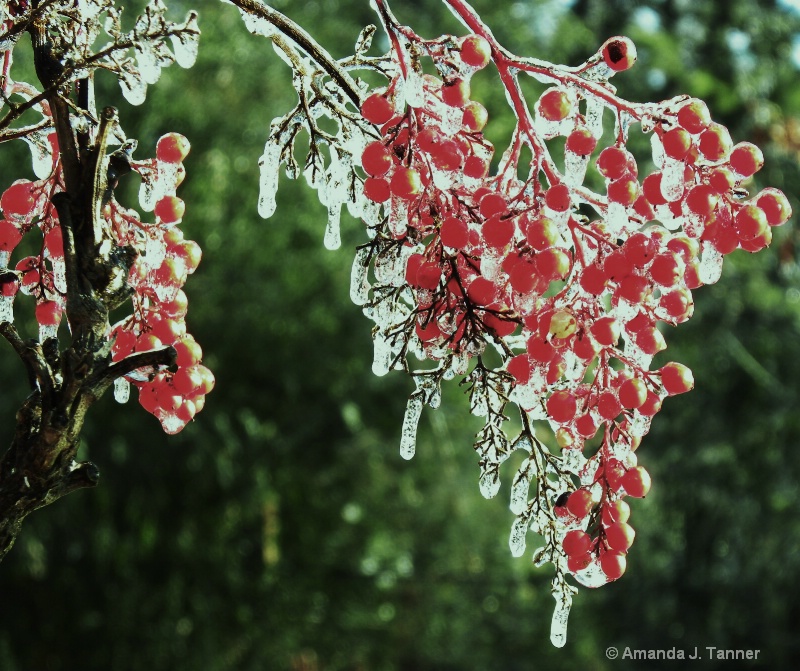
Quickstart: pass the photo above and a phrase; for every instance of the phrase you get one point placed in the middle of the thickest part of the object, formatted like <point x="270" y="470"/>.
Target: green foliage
<point x="281" y="530"/>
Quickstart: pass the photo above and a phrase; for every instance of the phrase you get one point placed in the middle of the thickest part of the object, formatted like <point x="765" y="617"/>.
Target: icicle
<point x="519" y="488"/>
<point x="269" y="165"/>
<point x="122" y="390"/>
<point x="408" y="439"/>
<point x="489" y="482"/>
<point x="558" y="626"/>
<point x="47" y="331"/>
<point x="516" y="541"/>
<point x="185" y="45"/>
<point x="333" y="238"/>
<point x="359" y="284"/>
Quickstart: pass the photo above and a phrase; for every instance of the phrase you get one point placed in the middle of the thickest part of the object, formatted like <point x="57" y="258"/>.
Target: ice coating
<point x="408" y="436"/>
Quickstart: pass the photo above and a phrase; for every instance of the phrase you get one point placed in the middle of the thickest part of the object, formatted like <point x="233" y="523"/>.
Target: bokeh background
<point x="282" y="530"/>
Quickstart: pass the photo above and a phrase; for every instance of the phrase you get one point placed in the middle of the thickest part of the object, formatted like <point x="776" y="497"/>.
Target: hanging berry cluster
<point x="542" y="285"/>
<point x="163" y="259"/>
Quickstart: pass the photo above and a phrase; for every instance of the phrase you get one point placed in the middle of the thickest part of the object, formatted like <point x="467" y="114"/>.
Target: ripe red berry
<point x="476" y="167"/>
<point x="9" y="284"/>
<point x="694" y="116"/>
<point x="557" y="198"/>
<point x="750" y="222"/>
<point x="619" y="536"/>
<point x="702" y="200"/>
<point x="377" y="109"/>
<point x="619" y="511"/>
<point x="715" y="142"/>
<point x="10" y="236"/>
<point x="775" y="205"/>
<point x="613" y="162"/>
<point x="579" y="503"/>
<point x="619" y="53"/>
<point x="667" y="269"/>
<point x="48" y="313"/>
<point x="624" y="190"/>
<point x="376" y="159"/>
<point x="172" y="148"/>
<point x="633" y="393"/>
<point x="555" y="104"/>
<point x="746" y="159"/>
<point x="613" y="564"/>
<point x="576" y="542"/>
<point x="170" y="209"/>
<point x="475" y="117"/>
<point x="581" y="142"/>
<point x="475" y="51"/>
<point x="577" y="563"/>
<point x="454" y="233"/>
<point x="677" y="143"/>
<point x="562" y="406"/>
<point x="520" y="367"/>
<point x="456" y="93"/>
<point x="17" y="200"/>
<point x="606" y="331"/>
<point x="636" y="482"/>
<point x="651" y="187"/>
<point x="377" y="189"/>
<point x="676" y="378"/>
<point x="608" y="406"/>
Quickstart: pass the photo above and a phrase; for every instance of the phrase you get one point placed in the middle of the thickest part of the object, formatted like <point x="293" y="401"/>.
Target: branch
<point x="31" y="354"/>
<point x="305" y="41"/>
<point x="166" y="356"/>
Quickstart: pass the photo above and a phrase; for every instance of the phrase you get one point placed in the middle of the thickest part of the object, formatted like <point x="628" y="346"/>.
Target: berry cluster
<point x="573" y="303"/>
<point x="159" y="303"/>
<point x="162" y="263"/>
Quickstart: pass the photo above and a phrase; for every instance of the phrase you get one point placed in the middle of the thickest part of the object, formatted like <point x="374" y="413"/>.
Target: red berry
<point x="498" y="232"/>
<point x="562" y="406"/>
<point x="579" y="503"/>
<point x="702" y="200"/>
<point x="775" y="205"/>
<point x="666" y="269"/>
<point x="577" y="563"/>
<point x="377" y="189"/>
<point x="619" y="53"/>
<point x="170" y="209"/>
<point x="454" y="233"/>
<point x="542" y="233"/>
<point x="476" y="167"/>
<point x="10" y="236"/>
<point x="746" y="159"/>
<point x="376" y="159"/>
<point x="555" y="104"/>
<point x="676" y="378"/>
<point x="751" y="221"/>
<point x="456" y="93"/>
<point x="715" y="142"/>
<point x="633" y="393"/>
<point x="576" y="542"/>
<point x="581" y="142"/>
<point x="475" y="51"/>
<point x="624" y="190"/>
<point x="520" y="367"/>
<point x="613" y="162"/>
<point x="677" y="143"/>
<point x="694" y="116"/>
<point x="475" y="117"/>
<point x="48" y="313"/>
<point x="613" y="564"/>
<point x="9" y="284"/>
<point x="651" y="187"/>
<point x="606" y="331"/>
<point x="593" y="279"/>
<point x="586" y="426"/>
<point x="619" y="536"/>
<point x="377" y="109"/>
<point x="481" y="291"/>
<point x="608" y="405"/>
<point x="17" y="199"/>
<point x="619" y="511"/>
<point x="636" y="482"/>
<point x="189" y="351"/>
<point x="558" y="198"/>
<point x="172" y="148"/>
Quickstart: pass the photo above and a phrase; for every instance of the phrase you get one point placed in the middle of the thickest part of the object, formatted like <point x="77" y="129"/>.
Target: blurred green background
<point x="282" y="530"/>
